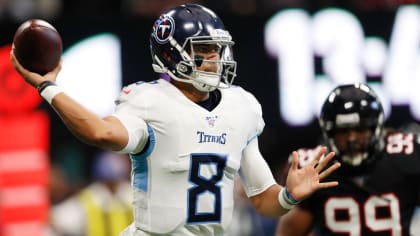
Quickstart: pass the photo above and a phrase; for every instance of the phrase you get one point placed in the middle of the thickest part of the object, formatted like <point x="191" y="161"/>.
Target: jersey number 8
<point x="205" y="185"/>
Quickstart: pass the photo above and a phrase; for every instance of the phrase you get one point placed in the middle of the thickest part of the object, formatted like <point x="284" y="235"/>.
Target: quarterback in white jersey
<point x="186" y="180"/>
<point x="188" y="134"/>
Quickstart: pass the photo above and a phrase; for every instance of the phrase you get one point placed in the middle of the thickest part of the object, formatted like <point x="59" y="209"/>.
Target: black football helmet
<point x="174" y="37"/>
<point x="353" y="106"/>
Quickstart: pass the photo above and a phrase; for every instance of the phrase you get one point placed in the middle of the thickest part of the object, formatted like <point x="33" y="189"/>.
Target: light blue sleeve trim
<point x="252" y="138"/>
<point x="140" y="163"/>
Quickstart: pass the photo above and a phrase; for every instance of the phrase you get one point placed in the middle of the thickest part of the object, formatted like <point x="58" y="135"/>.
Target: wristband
<point x="44" y="84"/>
<point x="289" y="198"/>
<point x="49" y="92"/>
<point x="284" y="201"/>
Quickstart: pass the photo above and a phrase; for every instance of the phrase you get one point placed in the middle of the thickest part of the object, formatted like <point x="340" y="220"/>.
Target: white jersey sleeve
<point x="136" y="127"/>
<point x="257" y="112"/>
<point x="255" y="173"/>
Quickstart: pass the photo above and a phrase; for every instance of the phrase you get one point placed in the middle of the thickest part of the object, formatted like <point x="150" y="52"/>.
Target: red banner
<point x="24" y="157"/>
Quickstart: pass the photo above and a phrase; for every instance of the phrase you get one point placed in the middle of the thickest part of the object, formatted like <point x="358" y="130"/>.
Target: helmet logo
<point x="163" y="29"/>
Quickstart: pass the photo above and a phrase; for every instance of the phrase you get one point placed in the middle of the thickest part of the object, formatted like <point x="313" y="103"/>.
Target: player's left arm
<point x="260" y="186"/>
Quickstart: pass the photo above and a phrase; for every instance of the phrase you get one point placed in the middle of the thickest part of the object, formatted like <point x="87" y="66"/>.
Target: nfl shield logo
<point x="210" y="120"/>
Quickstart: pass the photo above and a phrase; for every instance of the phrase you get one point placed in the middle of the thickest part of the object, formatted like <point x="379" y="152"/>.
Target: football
<point x="37" y="46"/>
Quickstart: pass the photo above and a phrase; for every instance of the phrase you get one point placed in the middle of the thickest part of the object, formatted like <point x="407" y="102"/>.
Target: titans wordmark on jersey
<point x="378" y="203"/>
<point x="185" y="176"/>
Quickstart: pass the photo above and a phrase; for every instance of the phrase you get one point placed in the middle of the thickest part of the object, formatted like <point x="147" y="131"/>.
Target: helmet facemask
<point x="187" y="70"/>
<point x="192" y="53"/>
<point x="357" y="150"/>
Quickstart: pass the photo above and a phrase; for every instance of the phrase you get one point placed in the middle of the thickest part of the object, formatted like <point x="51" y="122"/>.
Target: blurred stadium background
<point x="290" y="54"/>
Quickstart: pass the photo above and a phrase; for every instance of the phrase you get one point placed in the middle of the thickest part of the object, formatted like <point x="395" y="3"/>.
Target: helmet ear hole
<point x="166" y="55"/>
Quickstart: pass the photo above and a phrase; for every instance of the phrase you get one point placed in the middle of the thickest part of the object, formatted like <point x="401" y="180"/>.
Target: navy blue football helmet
<point x="175" y="36"/>
<point x="353" y="106"/>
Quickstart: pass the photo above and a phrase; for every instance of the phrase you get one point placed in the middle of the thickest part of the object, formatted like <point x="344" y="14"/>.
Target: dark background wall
<point x="257" y="71"/>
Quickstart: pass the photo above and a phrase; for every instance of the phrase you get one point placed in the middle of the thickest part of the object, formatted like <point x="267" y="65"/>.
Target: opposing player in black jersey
<point x="379" y="178"/>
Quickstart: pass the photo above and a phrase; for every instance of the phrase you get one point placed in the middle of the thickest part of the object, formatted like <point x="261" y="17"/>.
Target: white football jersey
<point x="183" y="179"/>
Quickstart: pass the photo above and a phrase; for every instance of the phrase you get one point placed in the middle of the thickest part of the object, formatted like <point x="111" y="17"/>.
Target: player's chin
<point x="355" y="158"/>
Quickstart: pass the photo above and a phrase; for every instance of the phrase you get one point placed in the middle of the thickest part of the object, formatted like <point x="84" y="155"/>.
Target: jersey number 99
<point x="353" y="225"/>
